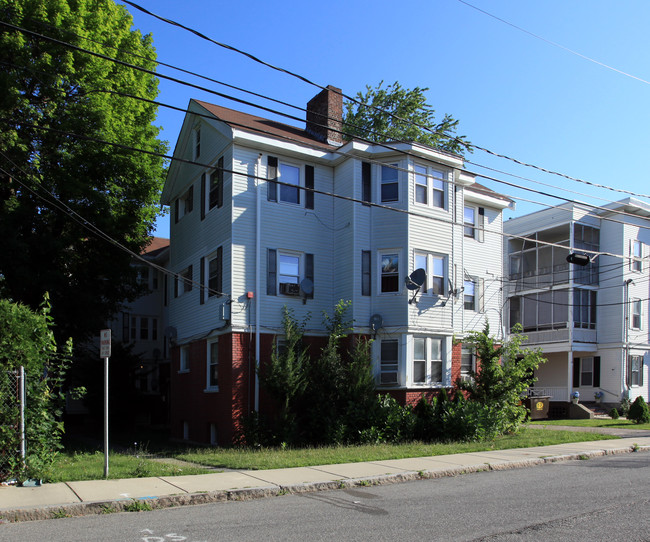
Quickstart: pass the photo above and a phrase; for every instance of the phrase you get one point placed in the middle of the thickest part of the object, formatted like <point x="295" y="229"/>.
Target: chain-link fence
<point x="12" y="443"/>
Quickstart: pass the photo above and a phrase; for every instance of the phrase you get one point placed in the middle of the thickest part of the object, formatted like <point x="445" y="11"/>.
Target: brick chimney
<point x="325" y="116"/>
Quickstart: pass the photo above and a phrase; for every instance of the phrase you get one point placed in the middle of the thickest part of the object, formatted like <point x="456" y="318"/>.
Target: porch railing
<point x="556" y="393"/>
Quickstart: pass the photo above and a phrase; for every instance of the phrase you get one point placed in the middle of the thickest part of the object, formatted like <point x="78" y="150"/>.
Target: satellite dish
<point x="376" y="322"/>
<point x="416" y="279"/>
<point x="307" y="286"/>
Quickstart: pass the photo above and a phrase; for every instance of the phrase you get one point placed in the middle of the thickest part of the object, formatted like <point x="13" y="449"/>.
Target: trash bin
<point x="537" y="406"/>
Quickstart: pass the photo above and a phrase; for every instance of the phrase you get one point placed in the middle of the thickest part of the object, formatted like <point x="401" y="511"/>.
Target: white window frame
<point x="428" y="360"/>
<point x="632" y="361"/>
<point x="185" y="282"/>
<point x="196" y="142"/>
<point x="184" y="359"/>
<point x="210" y="291"/>
<point x="636" y="256"/>
<point x="586" y="371"/>
<point x="470" y="225"/>
<point x="431" y="175"/>
<point x="464" y="352"/>
<point x="430" y="259"/>
<point x="209" y="362"/>
<point x="474" y="287"/>
<point x="389" y="366"/>
<point x="393" y="169"/>
<point x="287" y="164"/>
<point x="380" y="274"/>
<point x="185" y="204"/>
<point x="636" y="312"/>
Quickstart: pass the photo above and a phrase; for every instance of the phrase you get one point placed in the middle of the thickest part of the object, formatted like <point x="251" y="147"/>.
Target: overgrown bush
<point x="505" y="373"/>
<point x="27" y="340"/>
<point x="639" y="412"/>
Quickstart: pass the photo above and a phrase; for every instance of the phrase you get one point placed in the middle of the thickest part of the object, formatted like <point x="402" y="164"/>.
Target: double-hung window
<point x="430" y="184"/>
<point x="197" y="142"/>
<point x="636" y="262"/>
<point x="389" y="361"/>
<point x="584" y="308"/>
<point x="184" y="281"/>
<point x="635" y="320"/>
<point x="212" y="366"/>
<point x="467" y="363"/>
<point x="389" y="272"/>
<point x="435" y="266"/>
<point x="184" y="205"/>
<point x="184" y="359"/>
<point x="469" y="220"/>
<point x="289" y="272"/>
<point x="635" y="370"/>
<point x="289" y="174"/>
<point x="215" y="187"/>
<point x="212" y="275"/>
<point x="428" y="360"/>
<point x="586" y="372"/>
<point x="389" y="183"/>
<point x="469" y="295"/>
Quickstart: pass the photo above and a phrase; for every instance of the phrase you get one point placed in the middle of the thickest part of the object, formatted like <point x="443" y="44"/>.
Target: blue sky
<point x="513" y="93"/>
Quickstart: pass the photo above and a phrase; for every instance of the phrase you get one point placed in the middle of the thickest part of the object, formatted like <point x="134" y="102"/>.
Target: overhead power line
<point x="554" y="44"/>
<point x="353" y="100"/>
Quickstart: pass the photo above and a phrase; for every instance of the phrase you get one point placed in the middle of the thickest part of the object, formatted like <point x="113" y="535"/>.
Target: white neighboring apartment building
<point x="590" y="321"/>
<point x="256" y="227"/>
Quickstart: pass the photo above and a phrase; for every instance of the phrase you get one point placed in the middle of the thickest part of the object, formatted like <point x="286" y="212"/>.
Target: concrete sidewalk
<point x="101" y="496"/>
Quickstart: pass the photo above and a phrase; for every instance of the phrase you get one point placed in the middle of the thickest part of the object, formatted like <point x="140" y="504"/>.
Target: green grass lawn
<point x="274" y="458"/>
<point x="596" y="422"/>
<point x="89" y="465"/>
<point x="85" y="465"/>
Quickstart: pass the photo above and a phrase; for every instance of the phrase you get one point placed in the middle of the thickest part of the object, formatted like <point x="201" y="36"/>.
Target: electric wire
<point x="426" y="128"/>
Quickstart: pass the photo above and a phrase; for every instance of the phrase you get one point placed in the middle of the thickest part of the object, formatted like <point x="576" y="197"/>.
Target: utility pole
<point x="105" y="352"/>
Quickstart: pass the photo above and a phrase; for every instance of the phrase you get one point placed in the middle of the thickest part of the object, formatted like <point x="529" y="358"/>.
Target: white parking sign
<point x="105" y="343"/>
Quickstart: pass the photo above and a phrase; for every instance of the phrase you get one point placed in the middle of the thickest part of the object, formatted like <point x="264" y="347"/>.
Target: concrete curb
<point x="250" y="493"/>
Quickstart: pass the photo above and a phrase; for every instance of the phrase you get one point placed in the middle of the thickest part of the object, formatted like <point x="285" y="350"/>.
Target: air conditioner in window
<point x="289" y="288"/>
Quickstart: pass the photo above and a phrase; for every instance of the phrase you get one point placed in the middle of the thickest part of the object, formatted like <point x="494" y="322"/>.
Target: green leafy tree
<point x="27" y="340"/>
<point x="395" y="113"/>
<point x="285" y="377"/>
<point x="505" y="372"/>
<point x="57" y="105"/>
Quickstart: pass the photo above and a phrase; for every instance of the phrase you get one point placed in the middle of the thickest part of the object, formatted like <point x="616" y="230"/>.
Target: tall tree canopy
<point x="398" y="114"/>
<point x="57" y="107"/>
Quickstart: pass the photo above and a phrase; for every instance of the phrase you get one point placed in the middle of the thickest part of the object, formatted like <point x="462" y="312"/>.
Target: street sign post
<point x="105" y="352"/>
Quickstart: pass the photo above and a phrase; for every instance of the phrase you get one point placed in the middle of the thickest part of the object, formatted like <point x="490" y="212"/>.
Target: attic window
<point x="197" y="142"/>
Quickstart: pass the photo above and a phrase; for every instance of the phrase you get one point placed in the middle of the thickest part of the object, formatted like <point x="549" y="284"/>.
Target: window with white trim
<point x="215" y="186"/>
<point x="389" y="274"/>
<point x="469" y="295"/>
<point x="212" y="366"/>
<point x="430" y="186"/>
<point x="286" y="271"/>
<point x="467" y="362"/>
<point x="389" y="361"/>
<point x="584" y="308"/>
<point x="435" y="266"/>
<point x="586" y="371"/>
<point x="288" y="173"/>
<point x="197" y="142"/>
<point x="184" y="359"/>
<point x="636" y="262"/>
<point x="428" y="355"/>
<point x="469" y="220"/>
<point x="635" y="320"/>
<point x="635" y="370"/>
<point x="389" y="183"/>
<point x="184" y="281"/>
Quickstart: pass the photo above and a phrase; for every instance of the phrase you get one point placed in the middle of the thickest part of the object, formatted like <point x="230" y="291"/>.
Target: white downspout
<point x="258" y="278"/>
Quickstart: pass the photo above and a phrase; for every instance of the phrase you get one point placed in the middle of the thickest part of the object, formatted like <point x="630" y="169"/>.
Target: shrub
<point x="613" y="414"/>
<point x="639" y="412"/>
<point x="625" y="407"/>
